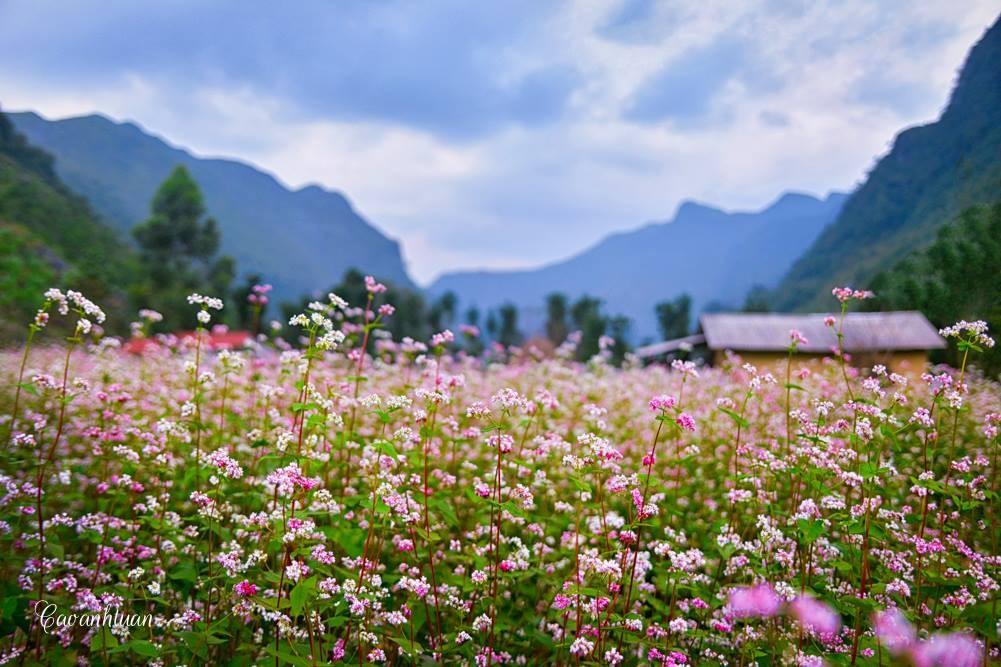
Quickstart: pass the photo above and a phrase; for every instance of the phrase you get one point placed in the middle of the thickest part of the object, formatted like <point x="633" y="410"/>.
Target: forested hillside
<point x="47" y="233"/>
<point x="932" y="173"/>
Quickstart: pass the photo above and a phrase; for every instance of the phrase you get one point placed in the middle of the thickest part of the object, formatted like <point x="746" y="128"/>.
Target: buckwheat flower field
<point x="350" y="498"/>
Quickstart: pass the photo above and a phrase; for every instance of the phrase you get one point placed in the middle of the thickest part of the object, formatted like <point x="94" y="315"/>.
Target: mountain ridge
<point x="626" y="269"/>
<point x="930" y="174"/>
<point x="266" y="226"/>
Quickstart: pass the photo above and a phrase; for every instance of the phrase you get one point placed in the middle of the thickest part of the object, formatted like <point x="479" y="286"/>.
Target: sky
<point x="506" y="134"/>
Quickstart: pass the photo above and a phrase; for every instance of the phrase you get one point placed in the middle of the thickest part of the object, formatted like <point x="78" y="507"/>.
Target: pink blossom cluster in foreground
<point x="412" y="504"/>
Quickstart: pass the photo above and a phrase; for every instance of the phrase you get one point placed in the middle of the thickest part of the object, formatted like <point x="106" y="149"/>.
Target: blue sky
<point x="503" y="134"/>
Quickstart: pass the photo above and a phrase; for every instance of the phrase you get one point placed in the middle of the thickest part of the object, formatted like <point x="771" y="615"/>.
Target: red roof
<point x="212" y="340"/>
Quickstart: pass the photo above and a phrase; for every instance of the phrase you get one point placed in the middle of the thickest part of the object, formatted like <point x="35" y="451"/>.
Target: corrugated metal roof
<point x="658" y="349"/>
<point x="864" y="332"/>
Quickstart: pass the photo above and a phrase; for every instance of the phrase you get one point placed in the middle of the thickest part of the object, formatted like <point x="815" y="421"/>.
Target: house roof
<point x="657" y="349"/>
<point x="863" y="332"/>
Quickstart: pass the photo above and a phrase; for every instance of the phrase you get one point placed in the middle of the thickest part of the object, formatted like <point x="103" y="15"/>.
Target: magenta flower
<point x="796" y="337"/>
<point x="815" y="616"/>
<point x="686" y="422"/>
<point x="245" y="589"/>
<point x="372" y="286"/>
<point x="952" y="650"/>
<point x="754" y="601"/>
<point x="894" y="630"/>
<point x="662" y="402"/>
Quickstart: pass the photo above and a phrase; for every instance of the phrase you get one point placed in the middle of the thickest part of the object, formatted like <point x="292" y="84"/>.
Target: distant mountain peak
<point x="929" y="176"/>
<point x="690" y="209"/>
<point x="299" y="240"/>
<point x="711" y="254"/>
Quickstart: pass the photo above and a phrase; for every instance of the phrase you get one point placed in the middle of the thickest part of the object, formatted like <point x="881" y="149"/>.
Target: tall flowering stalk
<point x="206" y="304"/>
<point x="40" y="321"/>
<point x="370" y="322"/>
<point x="86" y="311"/>
<point x="551" y="529"/>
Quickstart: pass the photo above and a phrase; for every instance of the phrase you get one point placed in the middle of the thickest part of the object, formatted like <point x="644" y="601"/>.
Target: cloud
<point x="633" y="22"/>
<point x="505" y="134"/>
<point x="685" y="89"/>
<point x="443" y="67"/>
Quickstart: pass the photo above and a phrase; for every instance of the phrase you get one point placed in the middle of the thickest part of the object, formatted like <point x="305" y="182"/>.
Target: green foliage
<point x="674" y="317"/>
<point x="50" y="235"/>
<point x="587" y="318"/>
<point x="410" y="319"/>
<point x="957" y="277"/>
<point x="932" y="173"/>
<point x="556" y="318"/>
<point x="24" y="274"/>
<point x="441" y="315"/>
<point x="178" y="246"/>
<point x="507" y="328"/>
<point x="757" y="300"/>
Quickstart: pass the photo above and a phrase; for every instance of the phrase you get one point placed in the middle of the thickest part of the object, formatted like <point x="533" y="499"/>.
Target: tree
<point x="508" y="334"/>
<point x="492" y="325"/>
<point x="674" y="317"/>
<point x="442" y="312"/>
<point x="618" y="328"/>
<point x="957" y="277"/>
<point x="474" y="345"/>
<point x="588" y="319"/>
<point x="556" y="318"/>
<point x="243" y="313"/>
<point x="178" y="246"/>
<point x="757" y="300"/>
<point x="409" y="319"/>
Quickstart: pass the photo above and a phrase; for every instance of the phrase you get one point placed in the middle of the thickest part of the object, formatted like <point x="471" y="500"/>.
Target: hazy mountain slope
<point x="300" y="240"/>
<point x="710" y="254"/>
<point x="49" y="236"/>
<point x="931" y="174"/>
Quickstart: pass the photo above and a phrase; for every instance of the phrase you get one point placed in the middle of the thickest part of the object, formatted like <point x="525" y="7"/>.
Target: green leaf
<point x="288" y="658"/>
<point x="868" y="470"/>
<point x="740" y="421"/>
<point x="184" y="572"/>
<point x="301" y="594"/>
<point x="811" y="529"/>
<point x="142" y="647"/>
<point x="103" y="639"/>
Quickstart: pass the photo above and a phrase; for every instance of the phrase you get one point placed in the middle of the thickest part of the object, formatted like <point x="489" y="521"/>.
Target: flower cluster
<point x="361" y="498"/>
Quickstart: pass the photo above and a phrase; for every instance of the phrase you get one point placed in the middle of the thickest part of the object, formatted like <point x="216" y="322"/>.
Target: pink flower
<point x="372" y="286"/>
<point x="815" y="616"/>
<point x="751" y="601"/>
<point x="245" y="589"/>
<point x="796" y="337"/>
<point x="830" y="320"/>
<point x="894" y="630"/>
<point x="686" y="422"/>
<point x="844" y="294"/>
<point x="955" y="650"/>
<point x="386" y="310"/>
<point x="442" y="338"/>
<point x="662" y="402"/>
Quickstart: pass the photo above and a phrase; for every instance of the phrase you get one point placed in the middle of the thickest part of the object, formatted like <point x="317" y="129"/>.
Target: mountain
<point x="710" y="254"/>
<point x="298" y="240"/>
<point x="930" y="175"/>
<point x="50" y="236"/>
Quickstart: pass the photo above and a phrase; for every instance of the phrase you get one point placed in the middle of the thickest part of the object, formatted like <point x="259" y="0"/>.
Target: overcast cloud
<point x="503" y="134"/>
